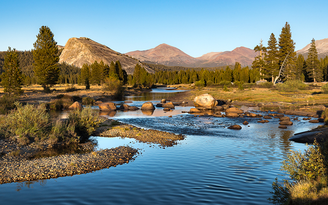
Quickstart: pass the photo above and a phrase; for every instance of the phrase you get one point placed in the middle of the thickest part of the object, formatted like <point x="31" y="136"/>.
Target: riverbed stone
<point x="194" y="110"/>
<point x="235" y="127"/>
<point x="282" y="127"/>
<point x="234" y="110"/>
<point x="110" y="106"/>
<point x="285" y="118"/>
<point x="168" y="105"/>
<point x="245" y="123"/>
<point x="75" y="105"/>
<point x="206" y="101"/>
<point x="286" y="123"/>
<point x="232" y="114"/>
<point x="147" y="106"/>
<point x="314" y="121"/>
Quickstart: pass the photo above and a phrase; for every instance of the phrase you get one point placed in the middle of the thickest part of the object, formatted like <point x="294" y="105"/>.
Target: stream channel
<point x="213" y="165"/>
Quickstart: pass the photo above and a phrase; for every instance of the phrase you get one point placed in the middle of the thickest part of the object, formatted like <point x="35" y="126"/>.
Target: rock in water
<point x="75" y="105"/>
<point x="107" y="106"/>
<point x="235" y="127"/>
<point x="206" y="101"/>
<point x="147" y="106"/>
<point x="168" y="105"/>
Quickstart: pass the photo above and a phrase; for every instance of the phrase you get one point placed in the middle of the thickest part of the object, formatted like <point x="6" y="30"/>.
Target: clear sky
<point x="196" y="27"/>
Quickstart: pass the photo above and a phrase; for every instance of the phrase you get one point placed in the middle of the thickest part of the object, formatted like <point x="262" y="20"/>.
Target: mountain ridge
<point x="172" y="56"/>
<point x="79" y="51"/>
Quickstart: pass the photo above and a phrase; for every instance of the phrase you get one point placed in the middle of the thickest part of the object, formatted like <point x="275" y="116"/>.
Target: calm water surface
<point x="213" y="165"/>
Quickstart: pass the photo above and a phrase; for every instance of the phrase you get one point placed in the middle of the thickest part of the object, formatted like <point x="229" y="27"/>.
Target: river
<point x="213" y="165"/>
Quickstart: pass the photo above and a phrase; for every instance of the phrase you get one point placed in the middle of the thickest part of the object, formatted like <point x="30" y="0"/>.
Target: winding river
<point x="213" y="165"/>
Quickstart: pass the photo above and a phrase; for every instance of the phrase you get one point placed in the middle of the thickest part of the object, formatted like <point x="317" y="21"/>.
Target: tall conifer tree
<point x="46" y="57"/>
<point x="312" y="63"/>
<point x="271" y="68"/>
<point x="85" y="76"/>
<point x="287" y="54"/>
<point x="12" y="78"/>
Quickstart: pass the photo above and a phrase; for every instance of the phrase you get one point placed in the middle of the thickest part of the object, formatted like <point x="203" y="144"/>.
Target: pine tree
<point x="259" y="62"/>
<point x="113" y="71"/>
<point x="312" y="63"/>
<point x="236" y="72"/>
<point x="271" y="68"/>
<point x="96" y="73"/>
<point x="300" y="68"/>
<point x="12" y="78"/>
<point x="46" y="57"/>
<point x="287" y="54"/>
<point x="85" y="76"/>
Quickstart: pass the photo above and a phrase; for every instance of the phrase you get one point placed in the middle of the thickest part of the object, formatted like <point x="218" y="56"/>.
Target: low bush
<point x="26" y="122"/>
<point x="325" y="88"/>
<point x="85" y="122"/>
<point x="7" y="103"/>
<point x="265" y="85"/>
<point x="200" y="84"/>
<point x="308" y="172"/>
<point x="88" y="101"/>
<point x="291" y="86"/>
<point x="225" y="82"/>
<point x="115" y="86"/>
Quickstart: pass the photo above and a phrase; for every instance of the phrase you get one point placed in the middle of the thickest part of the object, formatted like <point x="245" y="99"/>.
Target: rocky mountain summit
<point x="321" y="45"/>
<point x="79" y="51"/>
<point x="172" y="56"/>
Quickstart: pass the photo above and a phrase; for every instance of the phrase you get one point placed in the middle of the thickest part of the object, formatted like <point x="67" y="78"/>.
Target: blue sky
<point x="196" y="27"/>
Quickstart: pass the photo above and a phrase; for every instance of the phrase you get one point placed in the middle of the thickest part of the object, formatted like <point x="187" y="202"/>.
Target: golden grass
<point x="265" y="95"/>
<point x="310" y="192"/>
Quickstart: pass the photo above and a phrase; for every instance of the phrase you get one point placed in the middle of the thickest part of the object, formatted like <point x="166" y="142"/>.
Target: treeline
<point x="279" y="60"/>
<point x="69" y="74"/>
<point x="160" y="67"/>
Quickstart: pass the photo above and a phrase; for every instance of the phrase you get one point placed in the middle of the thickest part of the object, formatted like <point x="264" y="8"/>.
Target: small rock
<point x="286" y="123"/>
<point x="75" y="105"/>
<point x="235" y="127"/>
<point x="168" y="105"/>
<point x="147" y="106"/>
<point x="282" y="127"/>
<point x="314" y="121"/>
<point x="245" y="123"/>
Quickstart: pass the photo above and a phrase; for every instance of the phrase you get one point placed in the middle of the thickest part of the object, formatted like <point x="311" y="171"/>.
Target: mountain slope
<point x="79" y="51"/>
<point x="164" y="54"/>
<point x="171" y="56"/>
<point x="321" y="45"/>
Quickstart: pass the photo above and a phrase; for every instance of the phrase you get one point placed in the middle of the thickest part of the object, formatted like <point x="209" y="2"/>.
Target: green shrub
<point x="63" y="132"/>
<point x="225" y="82"/>
<point x="7" y="103"/>
<point x="27" y="121"/>
<point x="265" y="85"/>
<point x="85" y="122"/>
<point x="291" y="86"/>
<point x="115" y="86"/>
<point x="225" y="88"/>
<point x="88" y="101"/>
<point x="325" y="88"/>
<point x="200" y="83"/>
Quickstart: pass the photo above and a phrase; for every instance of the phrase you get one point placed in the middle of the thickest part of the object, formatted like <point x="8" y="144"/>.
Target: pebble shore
<point x="63" y="165"/>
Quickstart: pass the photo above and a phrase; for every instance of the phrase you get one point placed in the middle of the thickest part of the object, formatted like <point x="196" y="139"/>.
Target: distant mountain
<point x="322" y="48"/>
<point x="79" y="51"/>
<point x="172" y="56"/>
<point x="164" y="54"/>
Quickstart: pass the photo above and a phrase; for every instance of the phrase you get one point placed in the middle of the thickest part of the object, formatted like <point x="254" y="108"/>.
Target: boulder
<point x="107" y="106"/>
<point x="218" y="108"/>
<point x="232" y="114"/>
<point x="163" y="101"/>
<point x="75" y="105"/>
<point x="235" y="127"/>
<point x="285" y="118"/>
<point x="286" y="123"/>
<point x="314" y="121"/>
<point x="147" y="106"/>
<point x="245" y="123"/>
<point x="133" y="108"/>
<point x="194" y="110"/>
<point x="267" y="117"/>
<point x="234" y="110"/>
<point x="168" y="105"/>
<point x="206" y="101"/>
<point x="263" y="121"/>
<point x="282" y="127"/>
<point x="124" y="107"/>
